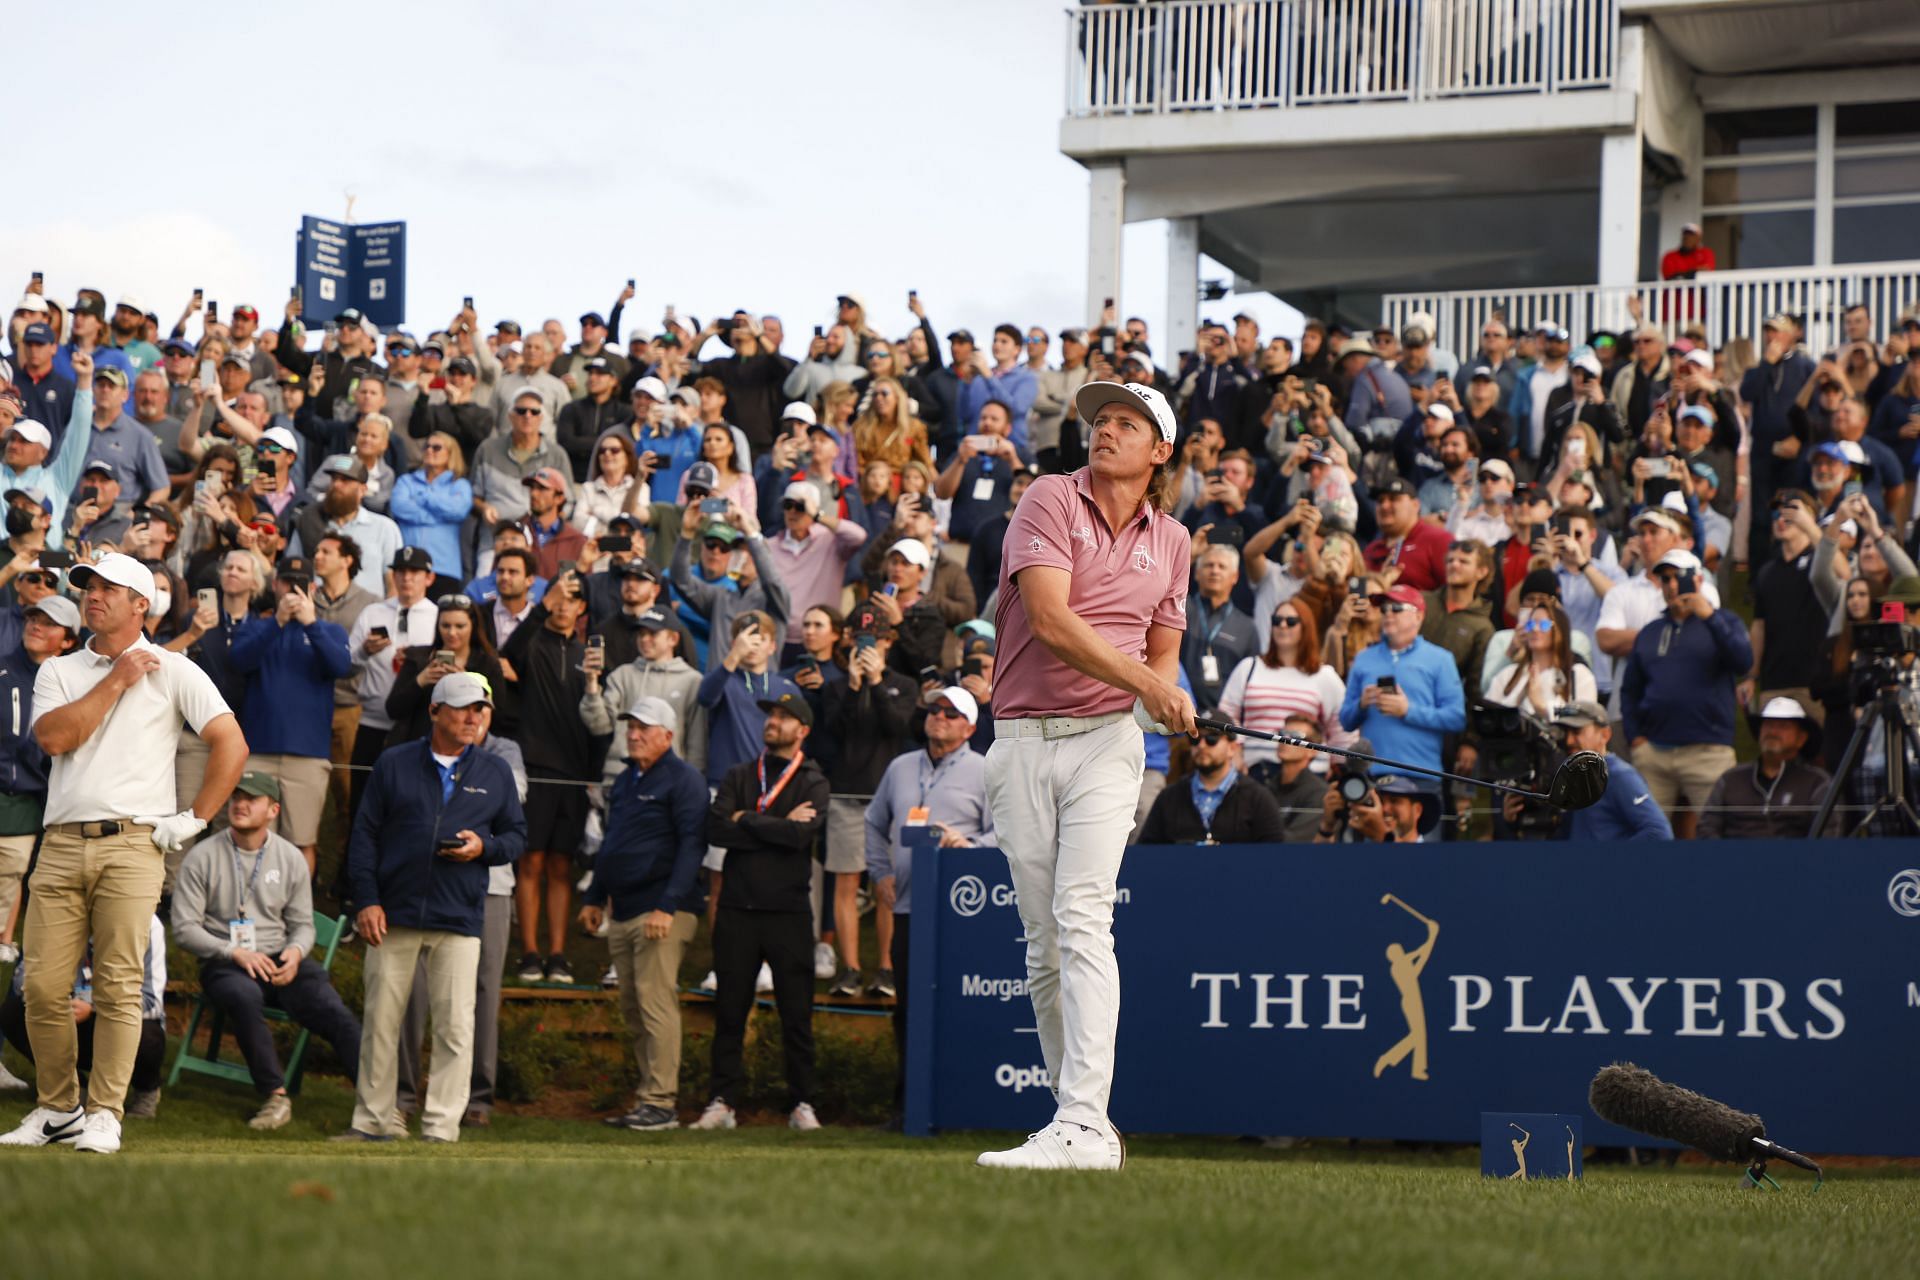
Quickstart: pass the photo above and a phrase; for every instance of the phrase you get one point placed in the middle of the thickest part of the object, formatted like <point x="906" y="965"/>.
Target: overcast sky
<point x="751" y="153"/>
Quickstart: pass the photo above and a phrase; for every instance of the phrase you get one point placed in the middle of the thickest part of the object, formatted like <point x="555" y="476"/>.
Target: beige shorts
<point x="846" y="836"/>
<point x="303" y="792"/>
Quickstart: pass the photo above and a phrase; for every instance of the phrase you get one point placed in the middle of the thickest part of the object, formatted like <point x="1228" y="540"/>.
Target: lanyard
<point x="251" y="880"/>
<point x="1219" y="621"/>
<point x="1207" y="803"/>
<point x="930" y="779"/>
<point x="780" y="784"/>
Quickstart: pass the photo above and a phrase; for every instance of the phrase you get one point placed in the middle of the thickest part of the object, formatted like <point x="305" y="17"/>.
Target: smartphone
<point x="62" y="560"/>
<point x="1659" y="467"/>
<point x="913" y="293"/>
<point x="209" y="375"/>
<point x="88" y="493"/>
<point x="809" y="663"/>
<point x="294" y="293"/>
<point x="616" y="542"/>
<point x="713" y="506"/>
<point x="598" y="642"/>
<point x="562" y="569"/>
<point x="449" y="842"/>
<point x="890" y="590"/>
<point x="39" y="278"/>
<point x="1852" y="489"/>
<point x="1689" y="582"/>
<point x="1355" y="587"/>
<point x="629" y="282"/>
<point x="973" y="667"/>
<point x="466" y="303"/>
<point x="930" y="675"/>
<point x="1386" y="682"/>
<point x="443" y="657"/>
<point x="819" y="331"/>
<point x="213" y="312"/>
<point x="1890" y="610"/>
<point x="1561" y="524"/>
<point x="209" y="597"/>
<point x="378" y="631"/>
<point x="863" y="641"/>
<point x="1108" y="302"/>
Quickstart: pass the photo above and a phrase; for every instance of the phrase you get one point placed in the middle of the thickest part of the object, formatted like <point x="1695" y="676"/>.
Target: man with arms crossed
<point x="109" y="714"/>
<point x="1093" y="589"/>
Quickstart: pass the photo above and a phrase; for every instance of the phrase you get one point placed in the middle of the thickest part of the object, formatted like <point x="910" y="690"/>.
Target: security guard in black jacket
<point x="767" y="814"/>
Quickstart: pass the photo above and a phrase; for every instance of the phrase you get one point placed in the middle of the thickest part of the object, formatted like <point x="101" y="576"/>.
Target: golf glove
<point x="1144" y="718"/>
<point x="170" y="833"/>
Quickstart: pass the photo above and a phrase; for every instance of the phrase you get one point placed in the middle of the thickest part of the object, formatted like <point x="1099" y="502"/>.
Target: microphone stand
<point x="1763" y="1150"/>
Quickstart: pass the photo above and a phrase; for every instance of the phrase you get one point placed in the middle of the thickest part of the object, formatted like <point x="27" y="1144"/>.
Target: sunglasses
<point x="714" y="544"/>
<point x="455" y="602"/>
<point x="1213" y="739"/>
<point x="612" y="448"/>
<point x="1537" y="624"/>
<point x="1395" y="606"/>
<point x="1285" y="620"/>
<point x="526" y="411"/>
<point x="270" y="447"/>
<point x="1036" y="342"/>
<point x="435" y="447"/>
<point x="878" y="355"/>
<point x="792" y="504"/>
<point x="945" y="713"/>
<point x="37" y="579"/>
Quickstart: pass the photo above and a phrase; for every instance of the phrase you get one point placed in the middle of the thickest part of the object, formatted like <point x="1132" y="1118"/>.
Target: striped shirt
<point x="1261" y="697"/>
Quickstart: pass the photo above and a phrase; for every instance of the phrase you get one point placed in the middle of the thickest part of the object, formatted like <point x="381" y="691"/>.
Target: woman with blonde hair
<point x="1356" y="623"/>
<point x="430" y="503"/>
<point x="613" y="484"/>
<point x="888" y="431"/>
<point x="836" y="408"/>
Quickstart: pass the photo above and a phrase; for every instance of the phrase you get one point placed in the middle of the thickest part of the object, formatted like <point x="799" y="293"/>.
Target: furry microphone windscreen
<point x="1634" y="1098"/>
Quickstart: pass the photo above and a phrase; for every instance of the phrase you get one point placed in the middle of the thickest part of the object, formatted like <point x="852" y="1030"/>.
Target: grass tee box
<point x="195" y="1192"/>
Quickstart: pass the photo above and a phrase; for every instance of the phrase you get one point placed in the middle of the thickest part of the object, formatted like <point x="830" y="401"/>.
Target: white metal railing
<point x="1727" y="304"/>
<point x="1196" y="55"/>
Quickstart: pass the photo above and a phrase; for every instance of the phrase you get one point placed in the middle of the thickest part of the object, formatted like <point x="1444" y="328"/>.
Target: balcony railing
<point x="1727" y="304"/>
<point x="1197" y="55"/>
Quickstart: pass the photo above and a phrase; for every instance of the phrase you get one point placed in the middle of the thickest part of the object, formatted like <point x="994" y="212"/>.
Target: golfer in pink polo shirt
<point x="1093" y="592"/>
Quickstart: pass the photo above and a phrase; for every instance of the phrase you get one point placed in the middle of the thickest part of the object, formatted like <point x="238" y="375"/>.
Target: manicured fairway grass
<point x="195" y="1194"/>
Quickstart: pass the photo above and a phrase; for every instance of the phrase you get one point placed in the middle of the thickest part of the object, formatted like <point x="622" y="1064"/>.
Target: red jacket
<point x="1422" y="555"/>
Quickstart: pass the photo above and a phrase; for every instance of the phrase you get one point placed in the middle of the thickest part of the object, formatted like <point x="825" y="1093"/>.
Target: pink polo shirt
<point x="1123" y="583"/>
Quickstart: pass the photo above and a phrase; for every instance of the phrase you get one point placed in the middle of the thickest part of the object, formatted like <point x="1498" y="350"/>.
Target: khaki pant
<point x="105" y="888"/>
<point x="190" y="758"/>
<point x="15" y="853"/>
<point x="303" y="791"/>
<point x="346" y="723"/>
<point x="452" y="964"/>
<point x="648" y="977"/>
<point x="1682" y="776"/>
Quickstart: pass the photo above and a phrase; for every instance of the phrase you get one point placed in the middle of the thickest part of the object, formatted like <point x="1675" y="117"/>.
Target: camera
<point x="1517" y="750"/>
<point x="1880" y="657"/>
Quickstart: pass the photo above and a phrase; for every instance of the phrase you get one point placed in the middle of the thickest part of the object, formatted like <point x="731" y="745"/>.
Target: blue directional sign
<point x="341" y="265"/>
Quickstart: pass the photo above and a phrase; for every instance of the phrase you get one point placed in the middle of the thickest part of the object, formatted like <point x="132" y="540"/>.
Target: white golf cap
<point x="1678" y="559"/>
<point x="1588" y="363"/>
<point x="121" y="570"/>
<point x="60" y="611"/>
<point x="1438" y="409"/>
<point x="1675" y="501"/>
<point x="960" y="700"/>
<point x="1135" y="395"/>
<point x="1783" y="709"/>
<point x="1701" y="357"/>
<point x="32" y="302"/>
<point x="1499" y="467"/>
<point x="799" y="411"/>
<point x="655" y="711"/>
<point x="652" y="388"/>
<point x="28" y="429"/>
<point x="131" y="303"/>
<point x="807" y="495"/>
<point x="461" y="689"/>
<point x="1660" y="516"/>
<point x="913" y="551"/>
<point x="282" y="437"/>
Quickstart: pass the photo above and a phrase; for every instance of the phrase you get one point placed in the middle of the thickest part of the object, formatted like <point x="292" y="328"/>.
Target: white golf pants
<point x="1063" y="808"/>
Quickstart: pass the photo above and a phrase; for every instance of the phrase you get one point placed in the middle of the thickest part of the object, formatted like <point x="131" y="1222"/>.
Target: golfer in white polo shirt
<point x="1093" y="594"/>
<point x="109" y="714"/>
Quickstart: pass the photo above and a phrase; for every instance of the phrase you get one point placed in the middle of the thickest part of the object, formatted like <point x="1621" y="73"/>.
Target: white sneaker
<point x="803" y="1119"/>
<point x="273" y="1113"/>
<point x="718" y="1115"/>
<point x="611" y="978"/>
<point x="763" y="981"/>
<point x="43" y="1125"/>
<point x="8" y="1080"/>
<point x="824" y="963"/>
<point x="99" y="1133"/>
<point x="710" y="983"/>
<point x="1062" y="1145"/>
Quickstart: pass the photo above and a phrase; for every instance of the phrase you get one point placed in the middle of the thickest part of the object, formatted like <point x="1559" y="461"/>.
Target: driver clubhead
<point x="1579" y="782"/>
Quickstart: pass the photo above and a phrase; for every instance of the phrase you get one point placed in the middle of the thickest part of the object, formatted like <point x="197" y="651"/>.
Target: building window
<point x="1876" y="181"/>
<point x="1757" y="186"/>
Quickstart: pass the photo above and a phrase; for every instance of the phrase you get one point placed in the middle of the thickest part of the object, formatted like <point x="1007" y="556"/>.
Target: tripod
<point x="1883" y="710"/>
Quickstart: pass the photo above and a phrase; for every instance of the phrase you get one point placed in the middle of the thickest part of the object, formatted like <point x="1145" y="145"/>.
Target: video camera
<point x="1881" y="652"/>
<point x="1517" y="750"/>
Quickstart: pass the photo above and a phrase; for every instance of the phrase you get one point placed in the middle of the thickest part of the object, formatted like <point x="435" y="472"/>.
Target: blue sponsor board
<point x="1401" y="991"/>
<point x="341" y="265"/>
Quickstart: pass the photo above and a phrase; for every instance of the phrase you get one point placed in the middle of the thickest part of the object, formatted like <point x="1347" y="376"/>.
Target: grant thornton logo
<point x="1903" y="892"/>
<point x="968" y="896"/>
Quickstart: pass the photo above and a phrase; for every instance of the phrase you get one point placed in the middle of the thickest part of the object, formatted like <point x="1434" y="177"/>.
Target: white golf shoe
<point x="1062" y="1145"/>
<point x="99" y="1133"/>
<point x="43" y="1125"/>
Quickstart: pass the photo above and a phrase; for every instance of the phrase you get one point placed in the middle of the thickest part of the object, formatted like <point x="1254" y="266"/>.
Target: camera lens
<point x="1353" y="788"/>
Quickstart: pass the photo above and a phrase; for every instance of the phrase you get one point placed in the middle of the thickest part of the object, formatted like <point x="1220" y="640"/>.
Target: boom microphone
<point x="1634" y="1098"/>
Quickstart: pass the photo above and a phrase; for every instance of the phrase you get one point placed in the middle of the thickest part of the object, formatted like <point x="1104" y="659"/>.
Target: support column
<point x="1619" y="248"/>
<point x="1106" y="216"/>
<point x="1183" y="289"/>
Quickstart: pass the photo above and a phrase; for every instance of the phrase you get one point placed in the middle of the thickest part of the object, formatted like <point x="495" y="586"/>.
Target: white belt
<point x="1054" y="726"/>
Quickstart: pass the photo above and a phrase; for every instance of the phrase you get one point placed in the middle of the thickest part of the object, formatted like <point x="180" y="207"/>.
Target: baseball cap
<point x="1847" y="451"/>
<point x="1676" y="502"/>
<point x="1780" y="320"/>
<point x="652" y="388"/>
<point x="1588" y="365"/>
<point x="35" y="496"/>
<point x="32" y="303"/>
<point x="121" y="570"/>
<point x="1661" y="517"/>
<point x="960" y="700"/>
<point x="282" y="437"/>
<point x="1135" y="395"/>
<point x="1481" y="371"/>
<point x="1705" y="471"/>
<point x="28" y="429"/>
<point x="294" y="569"/>
<point x="60" y="611"/>
<point x="686" y="395"/>
<point x="1439" y="410"/>
<point x="37" y="332"/>
<point x="975" y="627"/>
<point x="600" y="364"/>
<point x="412" y="558"/>
<point x="1540" y="582"/>
<point x="242" y="310"/>
<point x="962" y="335"/>
<point x="460" y="364"/>
<point x="1784" y="709"/>
<point x="1689" y="226"/>
<point x="111" y="373"/>
<point x="255" y="783"/>
<point x="1578" y="715"/>
<point x="547" y="478"/>
<point x="237" y="360"/>
<point x="1701" y="358"/>
<point x="89" y="303"/>
<point x="1697" y="413"/>
<point x="654" y="620"/>
<point x="702" y="476"/>
<point x="635" y="568"/>
<point x="100" y="465"/>
<point x="177" y="347"/>
<point x="350" y="316"/>
<point x="1498" y="467"/>
<point x="791" y="703"/>
<point x="1398" y="485"/>
<point x="807" y="495"/>
<point x="799" y="411"/>
<point x="1401" y="593"/>
<point x="1679" y="559"/>
<point x="506" y="326"/>
<point x="654" y="711"/>
<point x="593" y="318"/>
<point x="346" y="464"/>
<point x="913" y="551"/>
<point x="721" y="532"/>
<point x="461" y="689"/>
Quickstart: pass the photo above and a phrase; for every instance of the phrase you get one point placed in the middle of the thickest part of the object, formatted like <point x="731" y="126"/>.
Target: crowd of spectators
<point x="706" y="627"/>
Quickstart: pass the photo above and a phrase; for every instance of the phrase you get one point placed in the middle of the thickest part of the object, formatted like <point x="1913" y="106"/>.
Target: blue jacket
<point x="1627" y="810"/>
<point x="23" y="762"/>
<point x="290" y="670"/>
<point x="1436" y="702"/>
<point x="1771" y="389"/>
<point x="1685" y="695"/>
<point x="734" y="718"/>
<point x="678" y="450"/>
<point x="429" y="514"/>
<point x="656" y="838"/>
<point x="391" y="859"/>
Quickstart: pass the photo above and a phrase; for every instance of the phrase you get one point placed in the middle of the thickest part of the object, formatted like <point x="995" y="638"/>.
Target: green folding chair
<point x="326" y="937"/>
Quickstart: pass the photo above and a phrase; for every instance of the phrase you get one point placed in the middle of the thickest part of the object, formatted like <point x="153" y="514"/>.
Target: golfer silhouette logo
<point x="1406" y="967"/>
<point x="1519" y="1151"/>
<point x="1569" y="1129"/>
